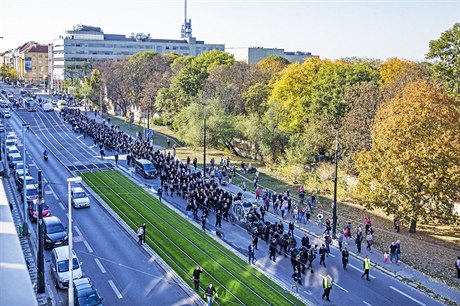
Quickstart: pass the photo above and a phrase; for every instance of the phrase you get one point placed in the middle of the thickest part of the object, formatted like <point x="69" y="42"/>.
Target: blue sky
<point x="330" y="29"/>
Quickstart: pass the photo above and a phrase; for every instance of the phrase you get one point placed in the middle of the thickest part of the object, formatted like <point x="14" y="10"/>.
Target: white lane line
<point x="408" y="296"/>
<point x="100" y="265"/>
<point x="62" y="206"/>
<point x="115" y="289"/>
<point x="78" y="231"/>
<point x="87" y="246"/>
<point x="367" y="303"/>
<point x="32" y="164"/>
<point x="360" y="270"/>
<point x="332" y="255"/>
<point x="77" y="138"/>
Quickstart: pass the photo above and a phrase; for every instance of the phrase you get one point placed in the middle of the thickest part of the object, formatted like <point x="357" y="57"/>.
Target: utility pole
<point x="40" y="258"/>
<point x="334" y="204"/>
<point x="204" y="143"/>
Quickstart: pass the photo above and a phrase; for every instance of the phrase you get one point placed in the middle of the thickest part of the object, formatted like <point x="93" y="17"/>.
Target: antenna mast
<point x="186" y="29"/>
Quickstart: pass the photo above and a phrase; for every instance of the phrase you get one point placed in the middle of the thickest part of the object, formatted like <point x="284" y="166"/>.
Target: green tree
<point x="446" y="53"/>
<point x="413" y="166"/>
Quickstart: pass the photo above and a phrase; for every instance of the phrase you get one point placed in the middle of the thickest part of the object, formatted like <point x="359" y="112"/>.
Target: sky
<point x="378" y="29"/>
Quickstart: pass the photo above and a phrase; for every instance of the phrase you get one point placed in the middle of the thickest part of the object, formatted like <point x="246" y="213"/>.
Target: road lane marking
<point x="63" y="208"/>
<point x="332" y="255"/>
<point x="51" y="191"/>
<point x="367" y="303"/>
<point x="100" y="265"/>
<point x="115" y="289"/>
<point x="360" y="270"/>
<point x="408" y="296"/>
<point x="79" y="136"/>
<point x="87" y="246"/>
<point x="78" y="230"/>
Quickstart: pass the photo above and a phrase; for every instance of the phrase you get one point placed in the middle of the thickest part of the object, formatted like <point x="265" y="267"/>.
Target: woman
<point x="369" y="241"/>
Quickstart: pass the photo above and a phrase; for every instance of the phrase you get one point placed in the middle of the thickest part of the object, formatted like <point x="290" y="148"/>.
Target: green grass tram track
<point x="182" y="246"/>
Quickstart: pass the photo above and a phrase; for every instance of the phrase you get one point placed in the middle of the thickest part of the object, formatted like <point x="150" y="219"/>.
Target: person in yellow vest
<point x="327" y="286"/>
<point x="367" y="267"/>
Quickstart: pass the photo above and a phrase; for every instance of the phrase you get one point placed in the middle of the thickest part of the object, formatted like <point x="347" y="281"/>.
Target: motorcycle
<point x="45" y="156"/>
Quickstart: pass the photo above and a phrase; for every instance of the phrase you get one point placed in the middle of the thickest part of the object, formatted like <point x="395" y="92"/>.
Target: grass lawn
<point x="183" y="245"/>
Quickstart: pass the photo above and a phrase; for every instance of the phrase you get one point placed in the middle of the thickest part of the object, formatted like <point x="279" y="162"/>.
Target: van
<point x="62" y="105"/>
<point x="60" y="266"/>
<point x="145" y="168"/>
<point x="79" y="197"/>
<point x="48" y="107"/>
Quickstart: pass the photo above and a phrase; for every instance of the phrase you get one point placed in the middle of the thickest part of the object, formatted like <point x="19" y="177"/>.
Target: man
<point x="457" y="265"/>
<point x="272" y="249"/>
<point x="203" y="222"/>
<point x="116" y="158"/>
<point x="218" y="219"/>
<point x="340" y="240"/>
<point x="345" y="256"/>
<point x="367" y="267"/>
<point x="322" y="255"/>
<point x="160" y="193"/>
<point x="398" y="251"/>
<point x="392" y="251"/>
<point x="297" y="277"/>
<point x="327" y="286"/>
<point x="196" y="277"/>
<point x="305" y="241"/>
<point x="140" y="234"/>
<point x="251" y="253"/>
<point x="143" y="230"/>
<point x="209" y="293"/>
<point x="255" y="238"/>
<point x="291" y="228"/>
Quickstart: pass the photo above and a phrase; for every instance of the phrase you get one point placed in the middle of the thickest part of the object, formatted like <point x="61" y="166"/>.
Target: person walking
<point x="340" y="240"/>
<point x="369" y="240"/>
<point x="140" y="234"/>
<point x="272" y="249"/>
<point x="457" y="265"/>
<point x="327" y="241"/>
<point x="203" y="222"/>
<point x="291" y="229"/>
<point x="392" y="251"/>
<point x="116" y="158"/>
<point x="398" y="252"/>
<point x="160" y="193"/>
<point x="210" y="292"/>
<point x="297" y="277"/>
<point x="144" y="231"/>
<point x="196" y="277"/>
<point x="345" y="255"/>
<point x="322" y="255"/>
<point x="255" y="237"/>
<point x="305" y="241"/>
<point x="327" y="286"/>
<point x="367" y="267"/>
<point x="218" y="219"/>
<point x="251" y="251"/>
<point x="358" y="241"/>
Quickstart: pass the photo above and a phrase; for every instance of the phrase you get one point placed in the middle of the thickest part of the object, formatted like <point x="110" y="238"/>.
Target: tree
<point x="446" y="53"/>
<point x="114" y="74"/>
<point x="413" y="166"/>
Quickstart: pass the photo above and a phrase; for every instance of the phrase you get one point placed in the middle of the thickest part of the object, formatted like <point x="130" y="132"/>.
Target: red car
<point x="33" y="210"/>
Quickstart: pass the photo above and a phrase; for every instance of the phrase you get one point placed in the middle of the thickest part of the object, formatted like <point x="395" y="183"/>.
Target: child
<point x="386" y="258"/>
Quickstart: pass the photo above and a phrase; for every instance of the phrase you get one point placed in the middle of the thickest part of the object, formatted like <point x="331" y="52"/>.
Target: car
<point x="60" y="266"/>
<point x="62" y="105"/>
<point x="54" y="232"/>
<point x="145" y="168"/>
<point x="6" y="114"/>
<point x="10" y="142"/>
<point x="14" y="159"/>
<point x="33" y="210"/>
<point x="31" y="193"/>
<point x="85" y="294"/>
<point x="30" y="180"/>
<point x="2" y="128"/>
<point x="79" y="198"/>
<point x="11" y="150"/>
<point x="48" y="107"/>
<point x="19" y="170"/>
<point x="12" y="138"/>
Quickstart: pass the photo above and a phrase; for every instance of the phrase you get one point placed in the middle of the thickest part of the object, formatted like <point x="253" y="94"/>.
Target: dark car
<point x="33" y="210"/>
<point x="55" y="233"/>
<point x="85" y="294"/>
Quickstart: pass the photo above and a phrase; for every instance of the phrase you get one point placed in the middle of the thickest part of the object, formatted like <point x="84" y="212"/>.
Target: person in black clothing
<point x="291" y="228"/>
<point x="116" y="158"/>
<point x="160" y="193"/>
<point x="143" y="231"/>
<point x="196" y="277"/>
<point x="345" y="255"/>
<point x="262" y="212"/>
<point x="203" y="222"/>
<point x="322" y="255"/>
<point x="255" y="237"/>
<point x="272" y="249"/>
<point x="305" y="241"/>
<point x="218" y="219"/>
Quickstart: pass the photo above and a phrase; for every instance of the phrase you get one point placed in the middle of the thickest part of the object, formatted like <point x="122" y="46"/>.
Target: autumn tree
<point x="446" y="53"/>
<point x="115" y="77"/>
<point x="413" y="166"/>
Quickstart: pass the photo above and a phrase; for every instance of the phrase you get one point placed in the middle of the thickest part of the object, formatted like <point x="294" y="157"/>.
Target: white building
<point x="86" y="44"/>
<point x="253" y="55"/>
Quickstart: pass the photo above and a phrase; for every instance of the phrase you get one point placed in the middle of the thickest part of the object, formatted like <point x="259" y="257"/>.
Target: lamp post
<point x="204" y="142"/>
<point x="71" y="180"/>
<point x="334" y="204"/>
<point x="25" y="127"/>
<point x="5" y="157"/>
<point x="40" y="257"/>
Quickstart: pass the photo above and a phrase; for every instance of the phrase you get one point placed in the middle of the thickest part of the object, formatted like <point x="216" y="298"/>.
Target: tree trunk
<point x="413" y="225"/>
<point x="231" y="148"/>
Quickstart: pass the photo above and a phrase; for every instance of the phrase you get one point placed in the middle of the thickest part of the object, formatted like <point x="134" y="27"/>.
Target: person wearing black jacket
<point x="345" y="255"/>
<point x="322" y="255"/>
<point x="305" y="241"/>
<point x="196" y="277"/>
<point x="272" y="249"/>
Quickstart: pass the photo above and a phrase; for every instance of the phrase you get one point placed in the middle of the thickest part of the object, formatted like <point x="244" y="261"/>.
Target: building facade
<point x="84" y="45"/>
<point x="253" y="55"/>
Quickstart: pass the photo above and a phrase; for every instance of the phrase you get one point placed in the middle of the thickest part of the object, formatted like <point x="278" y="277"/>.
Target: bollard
<point x="25" y="229"/>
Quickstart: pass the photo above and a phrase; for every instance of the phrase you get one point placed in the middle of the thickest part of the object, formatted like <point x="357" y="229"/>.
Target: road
<point x="123" y="273"/>
<point x="98" y="237"/>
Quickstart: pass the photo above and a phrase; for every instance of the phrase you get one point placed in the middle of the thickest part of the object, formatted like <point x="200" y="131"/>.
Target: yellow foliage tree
<point x="413" y="166"/>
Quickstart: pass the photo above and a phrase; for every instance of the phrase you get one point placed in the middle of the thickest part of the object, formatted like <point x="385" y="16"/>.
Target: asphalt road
<point x="123" y="273"/>
<point x="121" y="270"/>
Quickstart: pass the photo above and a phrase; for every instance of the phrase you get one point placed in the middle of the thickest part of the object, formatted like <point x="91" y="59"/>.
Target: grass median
<point x="182" y="245"/>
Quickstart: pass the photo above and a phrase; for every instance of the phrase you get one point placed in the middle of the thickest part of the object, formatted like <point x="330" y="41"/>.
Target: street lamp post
<point x="71" y="180"/>
<point x="334" y="204"/>
<point x="4" y="147"/>
<point x="204" y="142"/>
<point x="40" y="258"/>
<point x="25" y="127"/>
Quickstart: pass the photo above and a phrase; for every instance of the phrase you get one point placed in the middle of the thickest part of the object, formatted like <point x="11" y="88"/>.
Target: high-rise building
<point x="74" y="52"/>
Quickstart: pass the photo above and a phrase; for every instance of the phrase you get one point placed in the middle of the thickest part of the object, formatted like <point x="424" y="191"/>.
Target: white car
<point x="79" y="198"/>
<point x="48" y="107"/>
<point x="6" y="114"/>
<point x="12" y="138"/>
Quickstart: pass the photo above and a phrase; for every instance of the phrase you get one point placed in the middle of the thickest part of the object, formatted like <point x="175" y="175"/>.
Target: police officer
<point x="327" y="286"/>
<point x="367" y="267"/>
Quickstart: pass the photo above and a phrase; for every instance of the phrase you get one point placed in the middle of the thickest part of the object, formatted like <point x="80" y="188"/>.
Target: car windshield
<point x="148" y="166"/>
<point x="30" y="181"/>
<point x="79" y="195"/>
<point x="55" y="228"/>
<point x="19" y="166"/>
<point x="88" y="297"/>
<point x="32" y="192"/>
<point x="45" y="207"/>
<point x="63" y="266"/>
